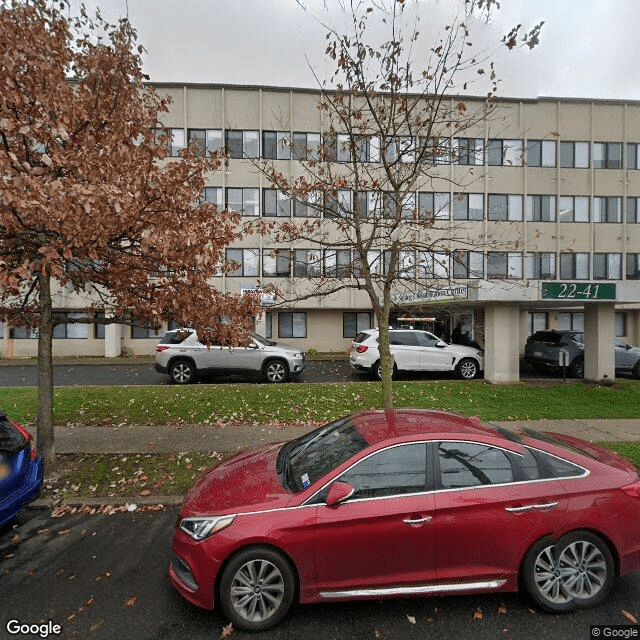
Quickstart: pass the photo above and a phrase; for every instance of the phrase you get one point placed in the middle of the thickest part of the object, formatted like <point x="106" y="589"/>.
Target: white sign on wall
<point x="458" y="292"/>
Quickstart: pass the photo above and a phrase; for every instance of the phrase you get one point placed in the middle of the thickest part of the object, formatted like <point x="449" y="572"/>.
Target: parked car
<point x="180" y="355"/>
<point x="414" y="350"/>
<point x="20" y="469"/>
<point x="385" y="503"/>
<point x="543" y="348"/>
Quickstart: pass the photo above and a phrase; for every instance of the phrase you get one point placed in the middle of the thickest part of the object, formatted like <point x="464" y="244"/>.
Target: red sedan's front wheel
<point x="257" y="589"/>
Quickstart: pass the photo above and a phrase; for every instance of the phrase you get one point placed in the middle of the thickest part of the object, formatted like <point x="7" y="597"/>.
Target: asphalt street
<point x="17" y="375"/>
<point x="104" y="577"/>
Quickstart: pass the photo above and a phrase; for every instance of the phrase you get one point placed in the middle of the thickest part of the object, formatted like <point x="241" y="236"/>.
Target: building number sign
<point x="578" y="290"/>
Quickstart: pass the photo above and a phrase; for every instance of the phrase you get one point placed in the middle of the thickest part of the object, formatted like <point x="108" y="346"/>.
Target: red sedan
<point x="407" y="502"/>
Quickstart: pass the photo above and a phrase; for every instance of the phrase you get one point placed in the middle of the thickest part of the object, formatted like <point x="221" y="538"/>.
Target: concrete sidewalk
<point x="162" y="438"/>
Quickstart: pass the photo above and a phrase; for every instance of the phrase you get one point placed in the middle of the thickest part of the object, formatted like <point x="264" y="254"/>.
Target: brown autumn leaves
<point x="88" y="195"/>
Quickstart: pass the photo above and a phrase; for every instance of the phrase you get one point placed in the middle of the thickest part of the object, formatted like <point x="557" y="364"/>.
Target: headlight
<point x="294" y="354"/>
<point x="201" y="528"/>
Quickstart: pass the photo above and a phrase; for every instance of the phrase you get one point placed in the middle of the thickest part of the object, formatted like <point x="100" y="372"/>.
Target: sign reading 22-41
<point x="579" y="290"/>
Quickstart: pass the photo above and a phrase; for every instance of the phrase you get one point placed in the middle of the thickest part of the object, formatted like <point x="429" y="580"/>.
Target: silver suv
<point x="180" y="355"/>
<point x="414" y="350"/>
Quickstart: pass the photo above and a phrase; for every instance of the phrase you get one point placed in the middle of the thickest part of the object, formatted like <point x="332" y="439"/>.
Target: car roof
<point x="380" y="425"/>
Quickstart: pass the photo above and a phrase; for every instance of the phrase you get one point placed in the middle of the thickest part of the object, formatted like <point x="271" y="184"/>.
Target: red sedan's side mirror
<point x="339" y="492"/>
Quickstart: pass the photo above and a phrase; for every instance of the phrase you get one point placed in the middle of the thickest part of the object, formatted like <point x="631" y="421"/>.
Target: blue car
<point x="20" y="469"/>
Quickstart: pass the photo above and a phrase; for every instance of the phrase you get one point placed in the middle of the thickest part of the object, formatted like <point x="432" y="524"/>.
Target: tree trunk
<point x="46" y="447"/>
<point x="386" y="363"/>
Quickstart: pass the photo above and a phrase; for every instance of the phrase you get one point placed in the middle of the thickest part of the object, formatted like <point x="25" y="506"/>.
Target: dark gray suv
<point x="543" y="348"/>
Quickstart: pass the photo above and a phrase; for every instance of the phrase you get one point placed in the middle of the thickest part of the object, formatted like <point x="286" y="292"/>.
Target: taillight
<point x="362" y="348"/>
<point x="23" y="432"/>
<point x="161" y="347"/>
<point x="27" y="436"/>
<point x="632" y="490"/>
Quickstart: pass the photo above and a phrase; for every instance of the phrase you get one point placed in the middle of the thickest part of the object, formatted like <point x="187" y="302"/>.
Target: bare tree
<point x="373" y="202"/>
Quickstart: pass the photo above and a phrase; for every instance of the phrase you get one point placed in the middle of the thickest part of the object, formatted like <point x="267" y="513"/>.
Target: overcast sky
<point x="589" y="48"/>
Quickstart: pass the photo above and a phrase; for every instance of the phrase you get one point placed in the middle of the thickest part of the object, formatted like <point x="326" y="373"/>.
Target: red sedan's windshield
<point x="313" y="455"/>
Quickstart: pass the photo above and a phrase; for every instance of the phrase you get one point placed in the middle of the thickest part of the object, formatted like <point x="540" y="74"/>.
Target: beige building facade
<point x="552" y="195"/>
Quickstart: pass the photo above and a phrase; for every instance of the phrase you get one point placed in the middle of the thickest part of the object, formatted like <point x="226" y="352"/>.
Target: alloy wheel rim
<point x="468" y="370"/>
<point x="275" y="372"/>
<point x="257" y="590"/>
<point x="578" y="572"/>
<point x="181" y="373"/>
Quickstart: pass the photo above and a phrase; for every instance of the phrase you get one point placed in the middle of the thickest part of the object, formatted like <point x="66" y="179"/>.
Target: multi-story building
<point x="563" y="175"/>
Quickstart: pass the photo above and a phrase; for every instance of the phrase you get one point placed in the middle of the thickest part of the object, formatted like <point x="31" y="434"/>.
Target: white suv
<point x="414" y="350"/>
<point x="183" y="358"/>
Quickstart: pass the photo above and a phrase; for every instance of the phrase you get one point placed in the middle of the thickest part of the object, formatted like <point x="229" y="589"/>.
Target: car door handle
<point x="412" y="521"/>
<point x="529" y="507"/>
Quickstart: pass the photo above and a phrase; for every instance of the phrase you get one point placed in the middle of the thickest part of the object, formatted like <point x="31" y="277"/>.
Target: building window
<point x="1" y="330"/>
<point x="138" y="332"/>
<point x="621" y="324"/>
<point x="541" y="208"/>
<point x="308" y="206"/>
<point x="207" y="141"/>
<point x="407" y="265"/>
<point x="504" y="207"/>
<point x="407" y="208"/>
<point x="268" y="324"/>
<point x="247" y="259"/>
<point x="275" y="203"/>
<point x="370" y="203"/>
<point x="339" y="205"/>
<point x="367" y="148"/>
<point x="292" y="325"/>
<point x="70" y="330"/>
<point x="540" y="265"/>
<point x="468" y="206"/>
<point x="633" y="266"/>
<point x="541" y="153"/>
<point x="504" y="264"/>
<point x="538" y="321"/>
<point x="212" y="195"/>
<point x="244" y="200"/>
<point x="432" y="265"/>
<point x="305" y="146"/>
<point x="21" y="333"/>
<point x="574" y="155"/>
<point x="607" y="266"/>
<point x="276" y="263"/>
<point x="574" y="266"/>
<point x="571" y="321"/>
<point x="175" y="141"/>
<point x="573" y="209"/>
<point x="633" y="155"/>
<point x="337" y="263"/>
<point x="434" y="205"/>
<point x="403" y="149"/>
<point x="307" y="263"/>
<point x="242" y="144"/>
<point x="504" y="152"/>
<point x="607" y="155"/>
<point x="607" y="209"/>
<point x="276" y="145"/>
<point x="355" y="322"/>
<point x="632" y="210"/>
<point x="468" y="264"/>
<point x="469" y="151"/>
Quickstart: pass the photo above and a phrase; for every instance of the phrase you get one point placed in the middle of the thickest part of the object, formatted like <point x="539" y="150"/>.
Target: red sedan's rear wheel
<point x="575" y="572"/>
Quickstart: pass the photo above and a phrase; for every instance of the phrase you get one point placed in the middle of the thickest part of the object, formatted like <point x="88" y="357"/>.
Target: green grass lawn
<point x="262" y="404"/>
